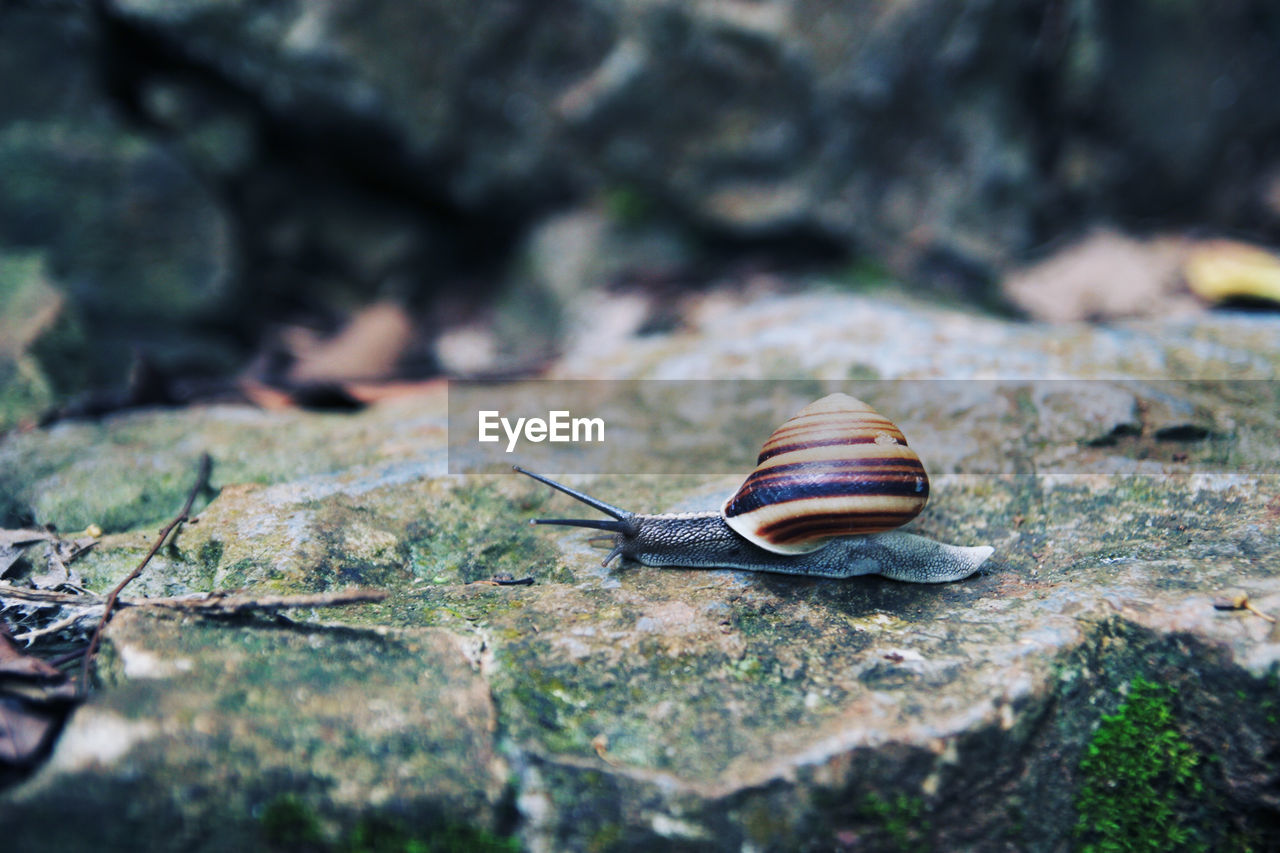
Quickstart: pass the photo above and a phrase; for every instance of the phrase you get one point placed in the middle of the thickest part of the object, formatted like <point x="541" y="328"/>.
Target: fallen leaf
<point x="34" y="700"/>
<point x="25" y="730"/>
<point x="1104" y="276"/>
<point x="58" y="553"/>
<point x="1221" y="270"/>
<point x="368" y="347"/>
<point x="24" y="536"/>
<point x="15" y="662"/>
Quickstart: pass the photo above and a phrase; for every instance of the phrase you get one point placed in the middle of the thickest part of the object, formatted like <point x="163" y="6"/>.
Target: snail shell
<point x="835" y="468"/>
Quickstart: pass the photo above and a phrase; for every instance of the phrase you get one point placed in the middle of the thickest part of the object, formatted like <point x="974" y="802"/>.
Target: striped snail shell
<point x="830" y="488"/>
<point x="835" y="468"/>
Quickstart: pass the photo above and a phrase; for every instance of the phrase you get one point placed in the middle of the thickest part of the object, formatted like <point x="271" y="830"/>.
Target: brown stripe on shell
<point x="829" y="525"/>
<point x="827" y="476"/>
<point x="836" y="468"/>
<point x="847" y="418"/>
<point x="828" y="428"/>
<point x="777" y="492"/>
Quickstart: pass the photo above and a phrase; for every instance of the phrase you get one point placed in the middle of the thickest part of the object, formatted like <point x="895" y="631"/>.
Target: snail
<point x="828" y="490"/>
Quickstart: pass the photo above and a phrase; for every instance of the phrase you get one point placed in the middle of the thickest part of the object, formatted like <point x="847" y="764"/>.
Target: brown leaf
<point x="24" y="536"/>
<point x="34" y="700"/>
<point x="368" y="347"/>
<point x="15" y="662"/>
<point x="25" y="730"/>
<point x="1101" y="277"/>
<point x="58" y="554"/>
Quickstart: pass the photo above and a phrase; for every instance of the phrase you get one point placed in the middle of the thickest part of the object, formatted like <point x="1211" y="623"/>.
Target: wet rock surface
<point x="628" y="707"/>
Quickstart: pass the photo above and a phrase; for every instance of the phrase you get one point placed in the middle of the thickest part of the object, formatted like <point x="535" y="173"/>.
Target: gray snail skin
<point x="829" y="488"/>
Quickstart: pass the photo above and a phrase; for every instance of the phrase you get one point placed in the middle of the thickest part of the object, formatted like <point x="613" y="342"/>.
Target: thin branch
<point x="44" y="598"/>
<point x="202" y="479"/>
<point x="53" y="628"/>
<point x="227" y="604"/>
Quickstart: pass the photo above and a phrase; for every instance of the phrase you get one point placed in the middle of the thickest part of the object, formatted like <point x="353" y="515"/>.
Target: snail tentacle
<point x="623" y="522"/>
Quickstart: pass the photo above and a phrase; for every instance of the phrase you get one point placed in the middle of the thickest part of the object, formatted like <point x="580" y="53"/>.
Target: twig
<point x="44" y="598"/>
<point x="226" y="604"/>
<point x="65" y="659"/>
<point x="1241" y="602"/>
<point x="54" y="628"/>
<point x="227" y="600"/>
<point x="202" y="479"/>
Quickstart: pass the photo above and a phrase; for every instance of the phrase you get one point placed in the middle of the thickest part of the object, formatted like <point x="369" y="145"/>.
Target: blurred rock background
<point x="199" y="198"/>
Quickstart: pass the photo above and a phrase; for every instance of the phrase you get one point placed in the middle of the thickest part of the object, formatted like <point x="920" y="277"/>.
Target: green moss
<point x="384" y="835"/>
<point x="237" y="575"/>
<point x="1140" y="779"/>
<point x="288" y="824"/>
<point x="211" y="555"/>
<point x="472" y="537"/>
<point x="752" y="623"/>
<point x="865" y="275"/>
<point x="629" y="205"/>
<point x="901" y="820"/>
<point x="561" y="709"/>
<point x="606" y="837"/>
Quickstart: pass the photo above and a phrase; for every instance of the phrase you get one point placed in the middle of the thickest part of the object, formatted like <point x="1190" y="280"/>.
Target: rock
<point x="555" y="287"/>
<point x="249" y="446"/>
<point x="837" y="336"/>
<point x="128" y="235"/>
<point x="639" y="708"/>
<point x="346" y="722"/>
<point x="378" y="149"/>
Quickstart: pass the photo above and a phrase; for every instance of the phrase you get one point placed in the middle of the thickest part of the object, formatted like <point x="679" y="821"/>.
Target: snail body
<point x="829" y="488"/>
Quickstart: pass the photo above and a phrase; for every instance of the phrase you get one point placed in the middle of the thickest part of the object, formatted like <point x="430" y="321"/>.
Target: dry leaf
<point x="1104" y="276"/>
<point x="368" y="347"/>
<point x="34" y="699"/>
<point x="25" y="730"/>
<point x="15" y="662"/>
<point x="24" y="536"/>
<point x="1220" y="270"/>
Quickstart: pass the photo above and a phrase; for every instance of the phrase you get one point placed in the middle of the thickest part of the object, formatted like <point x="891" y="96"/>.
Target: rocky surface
<point x="628" y="708"/>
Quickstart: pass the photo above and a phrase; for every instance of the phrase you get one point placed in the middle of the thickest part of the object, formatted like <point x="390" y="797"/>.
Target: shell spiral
<point x="835" y="468"/>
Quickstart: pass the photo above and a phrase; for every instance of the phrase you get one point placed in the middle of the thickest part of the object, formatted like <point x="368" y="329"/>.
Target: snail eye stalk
<point x="622" y="523"/>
